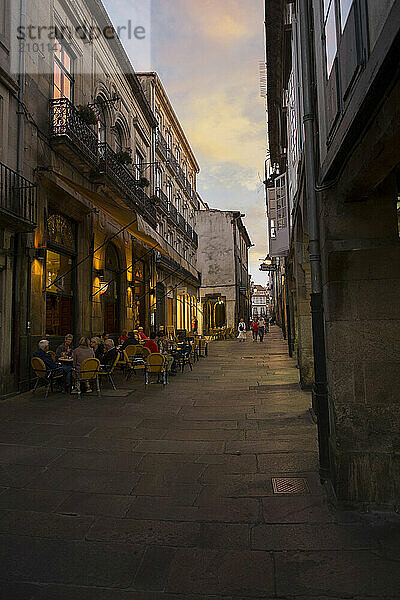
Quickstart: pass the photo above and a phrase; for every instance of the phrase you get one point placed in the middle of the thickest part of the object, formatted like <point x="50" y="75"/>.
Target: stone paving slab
<point x="167" y="494"/>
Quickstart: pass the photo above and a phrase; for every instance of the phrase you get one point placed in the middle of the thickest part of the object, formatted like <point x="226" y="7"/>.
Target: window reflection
<point x="330" y="37"/>
<point x="345" y="6"/>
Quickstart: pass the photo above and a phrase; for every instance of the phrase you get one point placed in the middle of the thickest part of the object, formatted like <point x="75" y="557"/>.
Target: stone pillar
<point x="362" y="316"/>
<point x="304" y="327"/>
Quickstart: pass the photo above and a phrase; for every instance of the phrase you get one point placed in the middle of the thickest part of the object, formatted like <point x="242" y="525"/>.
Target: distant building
<point x="222" y="258"/>
<point x="259" y="302"/>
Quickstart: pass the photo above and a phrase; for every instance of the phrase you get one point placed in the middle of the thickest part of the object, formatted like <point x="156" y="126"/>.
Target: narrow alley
<point x="208" y="489"/>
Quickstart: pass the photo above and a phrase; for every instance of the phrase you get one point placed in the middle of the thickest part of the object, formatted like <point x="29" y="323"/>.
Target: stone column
<point x="362" y="315"/>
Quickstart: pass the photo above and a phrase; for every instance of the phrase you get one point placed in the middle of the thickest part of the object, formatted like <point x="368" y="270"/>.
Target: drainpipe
<point x="320" y="392"/>
<point x="21" y="93"/>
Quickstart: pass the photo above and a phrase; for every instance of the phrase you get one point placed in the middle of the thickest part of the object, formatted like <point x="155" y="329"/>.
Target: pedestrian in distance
<point x="254" y="329"/>
<point x="242" y="337"/>
<point x="261" y="329"/>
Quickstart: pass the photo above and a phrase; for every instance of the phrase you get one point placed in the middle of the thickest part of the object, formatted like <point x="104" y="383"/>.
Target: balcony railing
<point x="124" y="179"/>
<point x="162" y="200"/>
<point x="161" y="144"/>
<point x="172" y="162"/>
<point x="66" y="122"/>
<point x="68" y="127"/>
<point x="180" y="175"/>
<point x="18" y="196"/>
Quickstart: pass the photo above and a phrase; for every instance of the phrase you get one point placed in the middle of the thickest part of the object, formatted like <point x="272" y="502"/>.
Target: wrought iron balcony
<point x="77" y="139"/>
<point x="172" y="162"/>
<point x="180" y="175"/>
<point x="161" y="144"/>
<point x="162" y="200"/>
<point x="18" y="200"/>
<point x="123" y="179"/>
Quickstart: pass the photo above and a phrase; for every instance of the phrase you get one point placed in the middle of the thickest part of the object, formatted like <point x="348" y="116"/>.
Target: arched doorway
<point x="111" y="297"/>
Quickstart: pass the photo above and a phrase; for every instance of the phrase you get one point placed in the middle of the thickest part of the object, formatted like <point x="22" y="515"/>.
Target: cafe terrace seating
<point x="90" y="370"/>
<point x="48" y="377"/>
<point x="156" y="364"/>
<point x="104" y="372"/>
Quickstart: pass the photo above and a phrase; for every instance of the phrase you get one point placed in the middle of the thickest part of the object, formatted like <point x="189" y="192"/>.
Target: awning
<point x="118" y="212"/>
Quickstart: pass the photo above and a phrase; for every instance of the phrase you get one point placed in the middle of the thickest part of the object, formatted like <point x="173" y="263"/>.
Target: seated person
<point x="109" y="355"/>
<point x="131" y="341"/>
<point x="46" y="358"/>
<point x="142" y="335"/>
<point x="98" y="347"/>
<point x="81" y="353"/>
<point x="123" y="337"/>
<point x="151" y="344"/>
<point x="51" y="366"/>
<point x="65" y="349"/>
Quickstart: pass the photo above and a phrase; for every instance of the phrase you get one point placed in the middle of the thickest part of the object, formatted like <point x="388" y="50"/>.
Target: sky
<point x="207" y="54"/>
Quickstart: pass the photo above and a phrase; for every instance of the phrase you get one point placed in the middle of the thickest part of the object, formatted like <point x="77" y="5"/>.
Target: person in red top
<point x="254" y="329"/>
<point x="123" y="337"/>
<point x="151" y="344"/>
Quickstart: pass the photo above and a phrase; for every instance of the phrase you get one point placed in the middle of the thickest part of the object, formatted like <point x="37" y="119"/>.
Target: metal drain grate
<point x="290" y="485"/>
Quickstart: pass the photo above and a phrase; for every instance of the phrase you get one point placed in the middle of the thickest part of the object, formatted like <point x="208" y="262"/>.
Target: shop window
<point x="59" y="275"/>
<point x="140" y="296"/>
<point x="62" y="72"/>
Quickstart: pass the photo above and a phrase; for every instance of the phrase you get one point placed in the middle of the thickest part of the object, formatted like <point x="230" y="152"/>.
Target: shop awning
<point x="119" y="213"/>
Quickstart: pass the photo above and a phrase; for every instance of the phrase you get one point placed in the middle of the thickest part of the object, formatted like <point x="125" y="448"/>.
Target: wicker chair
<point x="156" y="364"/>
<point x="135" y="357"/>
<point x="109" y="372"/>
<point x="89" y="371"/>
<point x="49" y="377"/>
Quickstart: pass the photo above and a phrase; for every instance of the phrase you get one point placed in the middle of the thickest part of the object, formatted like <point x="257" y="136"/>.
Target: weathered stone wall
<point x="361" y="259"/>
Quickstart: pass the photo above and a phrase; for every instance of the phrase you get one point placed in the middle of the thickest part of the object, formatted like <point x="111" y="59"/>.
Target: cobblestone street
<point x="168" y="494"/>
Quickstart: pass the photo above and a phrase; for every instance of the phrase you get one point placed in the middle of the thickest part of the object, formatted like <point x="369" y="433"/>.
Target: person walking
<point x="242" y="337"/>
<point x="254" y="329"/>
<point x="261" y="329"/>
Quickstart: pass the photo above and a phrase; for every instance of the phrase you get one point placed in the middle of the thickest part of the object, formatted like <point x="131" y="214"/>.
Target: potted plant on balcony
<point x="124" y="157"/>
<point x="143" y="182"/>
<point x="87" y="114"/>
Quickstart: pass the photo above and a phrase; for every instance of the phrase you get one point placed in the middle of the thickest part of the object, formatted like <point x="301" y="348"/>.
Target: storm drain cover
<point x="290" y="485"/>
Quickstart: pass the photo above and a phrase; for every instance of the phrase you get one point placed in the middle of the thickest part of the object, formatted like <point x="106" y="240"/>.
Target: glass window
<point x="59" y="293"/>
<point x="117" y="139"/>
<point x="330" y="37"/>
<point x="101" y="122"/>
<point x="345" y="6"/>
<point x="62" y="71"/>
<point x="159" y="178"/>
<point x="139" y="163"/>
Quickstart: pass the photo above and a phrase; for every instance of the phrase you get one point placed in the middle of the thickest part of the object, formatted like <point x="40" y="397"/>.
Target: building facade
<point x="334" y="149"/>
<point x="223" y="260"/>
<point x="259" y="302"/>
<point x="174" y="171"/>
<point x="88" y="266"/>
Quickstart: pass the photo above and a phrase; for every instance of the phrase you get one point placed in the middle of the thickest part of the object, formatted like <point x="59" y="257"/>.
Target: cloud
<point x="207" y="54"/>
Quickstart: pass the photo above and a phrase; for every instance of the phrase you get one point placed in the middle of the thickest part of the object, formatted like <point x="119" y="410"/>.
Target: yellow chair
<point x="109" y="372"/>
<point x="203" y="348"/>
<point x="89" y="371"/>
<point x="135" y="358"/>
<point x="42" y="374"/>
<point x="52" y="354"/>
<point x="156" y="364"/>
